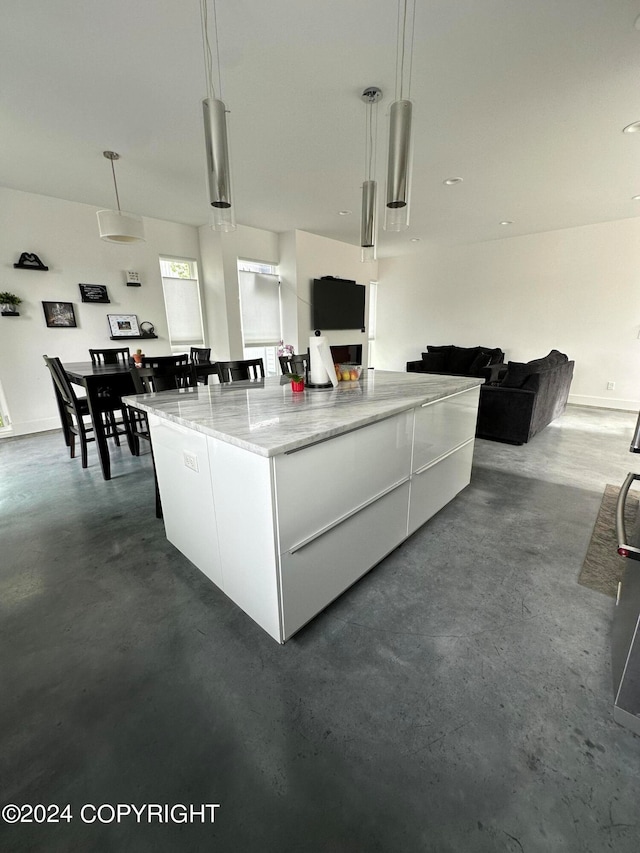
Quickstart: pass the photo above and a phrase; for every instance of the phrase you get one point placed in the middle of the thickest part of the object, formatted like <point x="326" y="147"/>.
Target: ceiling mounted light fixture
<point x="116" y="226"/>
<point x="634" y="127"/>
<point x="215" y="133"/>
<point x="449" y="182"/>
<point x="370" y="96"/>
<point x="399" y="159"/>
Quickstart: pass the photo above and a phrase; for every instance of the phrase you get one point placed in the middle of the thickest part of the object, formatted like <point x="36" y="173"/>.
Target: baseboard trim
<point x="29" y="427"/>
<point x="604" y="403"/>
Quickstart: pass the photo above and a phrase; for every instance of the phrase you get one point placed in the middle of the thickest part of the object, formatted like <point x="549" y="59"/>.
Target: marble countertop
<point x="267" y="418"/>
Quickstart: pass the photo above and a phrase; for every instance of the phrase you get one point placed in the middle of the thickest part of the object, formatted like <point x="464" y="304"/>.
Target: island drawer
<point x="314" y="575"/>
<point x="435" y="485"/>
<point x="444" y="425"/>
<point x="324" y="482"/>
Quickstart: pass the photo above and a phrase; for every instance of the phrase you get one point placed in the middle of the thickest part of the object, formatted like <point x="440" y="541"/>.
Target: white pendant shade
<point x="117" y="227"/>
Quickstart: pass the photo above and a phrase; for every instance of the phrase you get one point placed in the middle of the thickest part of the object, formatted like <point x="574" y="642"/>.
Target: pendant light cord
<point x="115" y="184"/>
<point x="206" y="48"/>
<point x="401" y="48"/>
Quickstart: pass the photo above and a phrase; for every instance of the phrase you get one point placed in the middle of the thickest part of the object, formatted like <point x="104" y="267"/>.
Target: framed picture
<point x="123" y="325"/>
<point x="93" y="293"/>
<point x="59" y="314"/>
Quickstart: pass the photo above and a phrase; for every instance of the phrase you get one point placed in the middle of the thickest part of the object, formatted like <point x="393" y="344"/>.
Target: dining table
<point x="114" y="381"/>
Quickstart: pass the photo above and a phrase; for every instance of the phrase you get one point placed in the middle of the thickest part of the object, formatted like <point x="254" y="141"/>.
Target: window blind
<point x="182" y="302"/>
<point x="259" y="308"/>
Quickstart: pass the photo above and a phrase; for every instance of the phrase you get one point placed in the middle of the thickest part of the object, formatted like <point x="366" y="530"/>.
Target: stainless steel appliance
<point x="625" y="649"/>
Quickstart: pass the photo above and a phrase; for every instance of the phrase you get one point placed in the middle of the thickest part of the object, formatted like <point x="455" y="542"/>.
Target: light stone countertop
<point x="269" y="419"/>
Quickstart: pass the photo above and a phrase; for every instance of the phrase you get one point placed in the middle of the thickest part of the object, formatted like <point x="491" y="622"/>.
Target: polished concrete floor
<point x="458" y="698"/>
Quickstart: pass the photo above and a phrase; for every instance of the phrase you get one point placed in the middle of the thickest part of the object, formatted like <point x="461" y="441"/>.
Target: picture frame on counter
<point x="94" y="293"/>
<point x="123" y="325"/>
<point x="59" y="315"/>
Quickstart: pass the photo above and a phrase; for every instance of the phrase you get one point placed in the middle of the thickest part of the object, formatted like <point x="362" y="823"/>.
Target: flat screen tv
<point x="337" y="304"/>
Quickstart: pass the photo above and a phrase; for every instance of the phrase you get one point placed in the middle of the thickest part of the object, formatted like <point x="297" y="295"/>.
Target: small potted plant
<point x="9" y="303"/>
<point x="137" y="357"/>
<point x="297" y="381"/>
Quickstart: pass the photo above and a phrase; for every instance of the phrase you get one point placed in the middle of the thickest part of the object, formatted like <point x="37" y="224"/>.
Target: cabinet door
<point x="182" y="465"/>
<point x="324" y="482"/>
<point x="434" y="486"/>
<point x="443" y="425"/>
<point x="312" y="576"/>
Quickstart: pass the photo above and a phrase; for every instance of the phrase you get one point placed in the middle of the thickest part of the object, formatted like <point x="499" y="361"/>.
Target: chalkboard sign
<point x="93" y="293"/>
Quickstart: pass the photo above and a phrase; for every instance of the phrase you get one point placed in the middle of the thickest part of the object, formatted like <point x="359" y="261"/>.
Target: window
<point x="182" y="302"/>
<point x="260" y="312"/>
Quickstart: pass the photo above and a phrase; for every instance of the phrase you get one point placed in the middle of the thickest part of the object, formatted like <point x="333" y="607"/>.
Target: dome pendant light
<point x="370" y="96"/>
<point x="215" y="135"/>
<point x="116" y="226"/>
<point x="399" y="162"/>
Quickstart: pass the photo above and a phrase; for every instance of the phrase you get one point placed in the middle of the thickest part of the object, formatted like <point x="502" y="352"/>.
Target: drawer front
<point x="322" y="483"/>
<point x="444" y="425"/>
<point x="186" y="494"/>
<point x="434" y="487"/>
<point x="317" y="573"/>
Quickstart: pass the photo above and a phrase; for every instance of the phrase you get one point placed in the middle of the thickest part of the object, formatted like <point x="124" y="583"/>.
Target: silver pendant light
<point x="215" y="134"/>
<point x="116" y="226"/>
<point x="368" y="230"/>
<point x="399" y="162"/>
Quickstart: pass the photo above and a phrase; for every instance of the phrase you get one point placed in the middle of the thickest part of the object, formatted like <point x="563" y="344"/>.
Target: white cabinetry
<point x="284" y="535"/>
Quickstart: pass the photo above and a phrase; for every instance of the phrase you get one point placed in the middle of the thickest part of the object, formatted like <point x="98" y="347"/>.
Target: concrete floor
<point x="458" y="698"/>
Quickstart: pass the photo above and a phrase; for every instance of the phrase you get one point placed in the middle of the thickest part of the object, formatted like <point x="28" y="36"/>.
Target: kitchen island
<point x="284" y="499"/>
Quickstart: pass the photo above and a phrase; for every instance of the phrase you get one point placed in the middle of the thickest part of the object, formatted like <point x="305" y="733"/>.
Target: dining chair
<point x="147" y="380"/>
<point x="113" y="355"/>
<point x="73" y="411"/>
<point x="235" y="371"/>
<point x="160" y="361"/>
<point x="199" y="355"/>
<point x="294" y="363"/>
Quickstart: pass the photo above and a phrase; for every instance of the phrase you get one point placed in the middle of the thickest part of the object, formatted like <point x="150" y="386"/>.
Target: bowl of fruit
<point x="348" y="372"/>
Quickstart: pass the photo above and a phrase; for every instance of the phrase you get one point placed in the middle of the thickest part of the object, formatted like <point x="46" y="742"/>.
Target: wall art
<point x="59" y="315"/>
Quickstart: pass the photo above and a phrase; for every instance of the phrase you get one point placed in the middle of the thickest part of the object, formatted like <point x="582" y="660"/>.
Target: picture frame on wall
<point x="59" y="315"/>
<point x="123" y="325"/>
<point x="94" y="293"/>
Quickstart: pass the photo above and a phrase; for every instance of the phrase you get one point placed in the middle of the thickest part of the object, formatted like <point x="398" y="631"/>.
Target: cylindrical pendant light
<point x="114" y="225"/>
<point x="368" y="222"/>
<point x="218" y="170"/>
<point x="215" y="134"/>
<point x="398" y="169"/>
<point x="399" y="158"/>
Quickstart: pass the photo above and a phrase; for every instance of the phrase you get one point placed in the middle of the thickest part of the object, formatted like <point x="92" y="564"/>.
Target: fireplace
<point x="347" y="354"/>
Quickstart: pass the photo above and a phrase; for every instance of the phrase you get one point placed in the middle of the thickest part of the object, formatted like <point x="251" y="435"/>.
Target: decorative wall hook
<point x="30" y="261"/>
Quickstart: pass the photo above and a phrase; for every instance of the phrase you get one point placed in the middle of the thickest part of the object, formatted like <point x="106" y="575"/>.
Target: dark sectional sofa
<point x="523" y="398"/>
<point x="458" y="361"/>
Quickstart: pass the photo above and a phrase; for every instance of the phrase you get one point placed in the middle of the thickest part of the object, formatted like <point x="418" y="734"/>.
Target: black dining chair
<point x="113" y="355"/>
<point x="237" y="371"/>
<point x="147" y="380"/>
<point x="200" y="355"/>
<point x="298" y="364"/>
<point x="162" y="361"/>
<point x="74" y="410"/>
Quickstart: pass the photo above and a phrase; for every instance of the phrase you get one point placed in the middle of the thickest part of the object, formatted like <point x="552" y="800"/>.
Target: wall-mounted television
<point x="337" y="303"/>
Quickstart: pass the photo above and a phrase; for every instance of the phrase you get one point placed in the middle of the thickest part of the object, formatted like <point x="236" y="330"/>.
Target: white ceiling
<point x="524" y="99"/>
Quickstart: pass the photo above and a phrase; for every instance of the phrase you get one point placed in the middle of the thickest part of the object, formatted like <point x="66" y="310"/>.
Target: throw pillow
<point x="516" y="374"/>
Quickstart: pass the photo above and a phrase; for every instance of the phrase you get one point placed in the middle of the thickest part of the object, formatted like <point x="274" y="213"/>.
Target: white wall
<point x="576" y="290"/>
<point x="319" y="256"/>
<point x="65" y="236"/>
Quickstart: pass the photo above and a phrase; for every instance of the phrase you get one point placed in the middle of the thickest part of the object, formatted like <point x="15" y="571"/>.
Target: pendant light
<point x="116" y="226"/>
<point x="399" y="162"/>
<point x="370" y="96"/>
<point x="215" y="134"/>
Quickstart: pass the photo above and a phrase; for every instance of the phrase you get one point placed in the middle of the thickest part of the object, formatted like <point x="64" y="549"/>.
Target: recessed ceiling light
<point x="415" y="239"/>
<point x="635" y="198"/>
<point x="637" y="23"/>
<point x="632" y="128"/>
<point x="344" y="212"/>
<point x="449" y="182"/>
<point x="507" y="222"/>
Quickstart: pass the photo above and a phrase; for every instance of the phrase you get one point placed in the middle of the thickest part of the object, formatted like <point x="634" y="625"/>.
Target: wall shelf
<point x="132" y="337"/>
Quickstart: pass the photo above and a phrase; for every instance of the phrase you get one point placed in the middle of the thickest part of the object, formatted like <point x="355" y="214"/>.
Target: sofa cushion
<point x="434" y="361"/>
<point x="518" y="372"/>
<point x="483" y="359"/>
